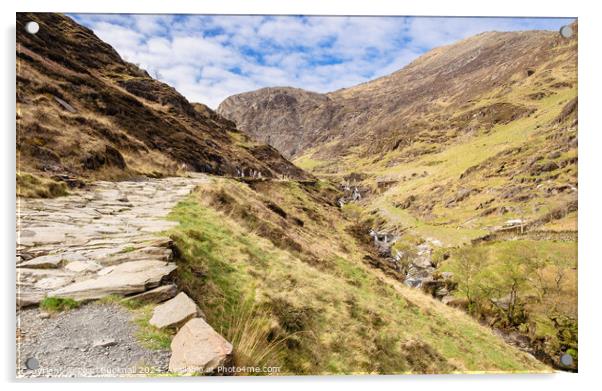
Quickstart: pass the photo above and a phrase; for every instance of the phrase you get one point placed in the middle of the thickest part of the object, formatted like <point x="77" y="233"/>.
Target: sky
<point x="210" y="57"/>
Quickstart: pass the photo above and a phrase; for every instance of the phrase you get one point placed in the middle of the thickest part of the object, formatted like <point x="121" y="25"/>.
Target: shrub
<point x="468" y="266"/>
<point x="353" y="212"/>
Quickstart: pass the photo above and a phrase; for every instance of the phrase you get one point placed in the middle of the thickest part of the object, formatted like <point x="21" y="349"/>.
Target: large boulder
<point x="197" y="348"/>
<point x="174" y="312"/>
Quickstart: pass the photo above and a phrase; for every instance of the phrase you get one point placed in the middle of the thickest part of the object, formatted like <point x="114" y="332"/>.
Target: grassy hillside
<point x="472" y="154"/>
<point x="466" y="190"/>
<point x="284" y="250"/>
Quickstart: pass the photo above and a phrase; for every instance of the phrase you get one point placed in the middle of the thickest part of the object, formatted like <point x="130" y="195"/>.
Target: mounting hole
<point x="32" y="363"/>
<point x="32" y="27"/>
<point x="566" y="360"/>
<point x="566" y="31"/>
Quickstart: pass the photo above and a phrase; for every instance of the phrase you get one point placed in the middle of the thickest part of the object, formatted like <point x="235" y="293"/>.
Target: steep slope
<point x="289" y="119"/>
<point x="467" y="158"/>
<point x="281" y="253"/>
<point x="83" y="112"/>
<point x="426" y="98"/>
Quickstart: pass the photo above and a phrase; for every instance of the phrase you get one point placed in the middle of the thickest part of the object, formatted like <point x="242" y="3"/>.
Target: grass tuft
<point x="58" y="304"/>
<point x="250" y="332"/>
<point x="31" y="186"/>
<point x="149" y="336"/>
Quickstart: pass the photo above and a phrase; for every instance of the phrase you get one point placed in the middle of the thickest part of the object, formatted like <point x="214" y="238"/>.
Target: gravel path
<point x="93" y="340"/>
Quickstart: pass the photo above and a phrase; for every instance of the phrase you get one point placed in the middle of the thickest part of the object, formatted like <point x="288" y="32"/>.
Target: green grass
<point x="334" y="313"/>
<point x="148" y="335"/>
<point x="127" y="249"/>
<point x="128" y="303"/>
<point x="449" y="235"/>
<point x="58" y="304"/>
<point x="306" y="162"/>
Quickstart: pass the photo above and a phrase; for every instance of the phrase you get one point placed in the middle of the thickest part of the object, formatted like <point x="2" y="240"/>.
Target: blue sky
<point x="208" y="58"/>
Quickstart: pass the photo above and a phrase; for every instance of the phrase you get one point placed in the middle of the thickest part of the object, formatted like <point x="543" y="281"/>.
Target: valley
<point x="466" y="161"/>
<point x="423" y="222"/>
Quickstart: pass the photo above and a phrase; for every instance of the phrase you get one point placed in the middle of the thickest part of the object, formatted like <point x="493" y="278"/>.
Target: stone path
<point x="97" y="242"/>
<point x="90" y="244"/>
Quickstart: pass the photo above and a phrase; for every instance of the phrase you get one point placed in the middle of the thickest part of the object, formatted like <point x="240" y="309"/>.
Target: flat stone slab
<point x="53" y="282"/>
<point x="42" y="235"/>
<point x="26" y="299"/>
<point x="197" y="348"/>
<point x="83" y="266"/>
<point x="156" y="253"/>
<point x="157" y="295"/>
<point x="174" y="312"/>
<point x="35" y="275"/>
<point x="44" y="262"/>
<point x="124" y="279"/>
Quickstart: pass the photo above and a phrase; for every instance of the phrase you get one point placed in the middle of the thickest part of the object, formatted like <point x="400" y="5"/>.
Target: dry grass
<point x="251" y="333"/>
<point x="334" y="313"/>
<point x="32" y="186"/>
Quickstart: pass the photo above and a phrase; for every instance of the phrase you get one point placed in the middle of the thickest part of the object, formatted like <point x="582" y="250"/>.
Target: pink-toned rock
<point x="197" y="348"/>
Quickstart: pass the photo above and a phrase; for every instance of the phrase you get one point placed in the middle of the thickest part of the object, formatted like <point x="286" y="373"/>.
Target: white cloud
<point x="208" y="58"/>
<point x="123" y="39"/>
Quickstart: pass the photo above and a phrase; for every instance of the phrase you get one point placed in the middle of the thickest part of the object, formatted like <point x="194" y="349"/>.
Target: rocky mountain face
<point x="83" y="112"/>
<point x="491" y="119"/>
<point x="431" y="99"/>
<point x="289" y="119"/>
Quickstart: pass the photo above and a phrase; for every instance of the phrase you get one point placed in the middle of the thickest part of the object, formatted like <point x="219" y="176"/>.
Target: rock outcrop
<point x="289" y="119"/>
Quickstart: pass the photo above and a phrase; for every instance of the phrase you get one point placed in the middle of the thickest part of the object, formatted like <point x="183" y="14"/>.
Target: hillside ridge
<point x="437" y="84"/>
<point x="83" y="112"/>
